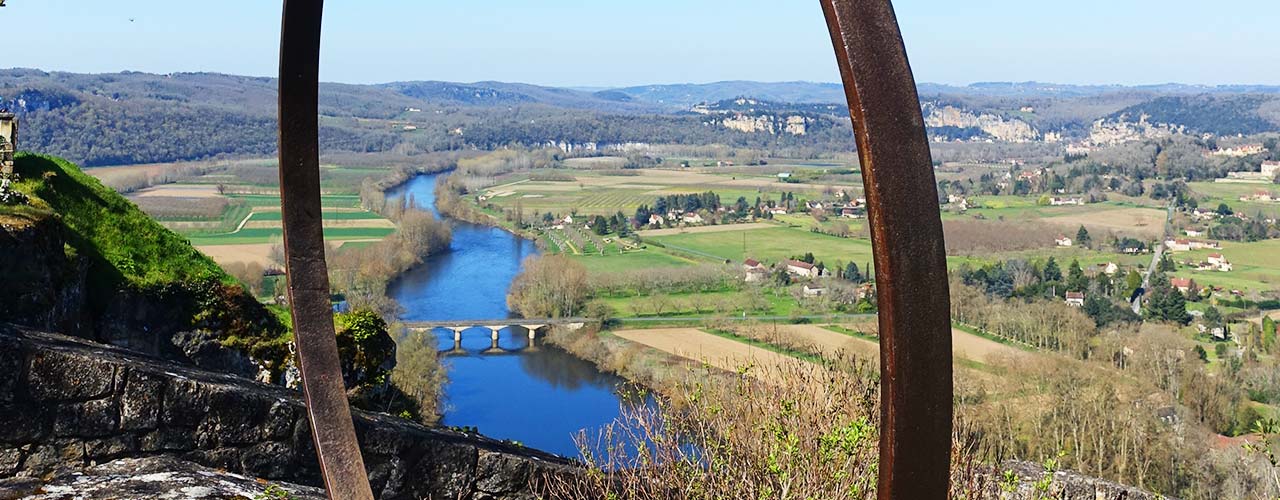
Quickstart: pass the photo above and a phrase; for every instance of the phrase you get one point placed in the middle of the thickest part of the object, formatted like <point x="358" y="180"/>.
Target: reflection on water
<point x="541" y="396"/>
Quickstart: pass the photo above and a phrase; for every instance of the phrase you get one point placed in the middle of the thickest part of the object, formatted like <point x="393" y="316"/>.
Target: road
<point x="1155" y="260"/>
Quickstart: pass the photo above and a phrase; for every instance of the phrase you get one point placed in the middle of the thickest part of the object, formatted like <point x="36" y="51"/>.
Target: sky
<point x="613" y="43"/>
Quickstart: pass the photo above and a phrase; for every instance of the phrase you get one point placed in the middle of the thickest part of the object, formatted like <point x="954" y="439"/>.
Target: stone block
<point x="56" y="375"/>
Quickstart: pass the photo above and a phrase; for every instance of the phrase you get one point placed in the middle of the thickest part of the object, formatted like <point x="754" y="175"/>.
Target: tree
<point x="1076" y="280"/>
<point x="1132" y="281"/>
<point x="1166" y="264"/>
<point x="1224" y="210"/>
<point x="549" y="286"/>
<point x="1268" y="333"/>
<point x="1166" y="303"/>
<point x="365" y="349"/>
<point x="1212" y="317"/>
<point x="1082" y="237"/>
<point x="852" y="273"/>
<point x="1051" y="272"/>
<point x="600" y="225"/>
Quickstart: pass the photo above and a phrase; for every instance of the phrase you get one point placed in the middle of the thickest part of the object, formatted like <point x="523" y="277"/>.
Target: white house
<point x="1110" y="268"/>
<point x="1182" y="284"/>
<point x="1063" y="241"/>
<point x="692" y="218"/>
<point x="1270" y="167"/>
<point x="813" y="291"/>
<point x="1057" y="202"/>
<point x="803" y="269"/>
<point x="1075" y="299"/>
<point x="778" y="211"/>
<point x="656" y="220"/>
<point x="1194" y="233"/>
<point x="1219" y="262"/>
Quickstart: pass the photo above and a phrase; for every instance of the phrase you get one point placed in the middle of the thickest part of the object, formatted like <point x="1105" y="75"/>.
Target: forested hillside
<point x="127" y="118"/>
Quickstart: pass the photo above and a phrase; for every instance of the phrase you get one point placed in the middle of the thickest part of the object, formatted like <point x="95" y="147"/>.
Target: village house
<point x="1204" y="214"/>
<point x="1109" y="268"/>
<point x="1194" y="233"/>
<point x="1182" y="284"/>
<point x="1269" y="168"/>
<point x="814" y="205"/>
<point x="692" y="218"/>
<point x="1216" y="262"/>
<point x="1057" y="202"/>
<point x="1062" y="241"/>
<point x="851" y="212"/>
<point x="656" y="220"/>
<point x="813" y="291"/>
<point x="778" y="211"/>
<point x="802" y="269"/>
<point x="755" y="271"/>
<point x="1183" y="244"/>
<point x="568" y="219"/>
<point x="1075" y="299"/>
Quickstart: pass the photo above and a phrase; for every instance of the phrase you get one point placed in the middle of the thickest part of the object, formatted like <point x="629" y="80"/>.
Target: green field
<point x="1254" y="266"/>
<point x="635" y="259"/>
<point x="326" y="215"/>
<point x="266" y="235"/>
<point x="771" y="245"/>
<point x="271" y="200"/>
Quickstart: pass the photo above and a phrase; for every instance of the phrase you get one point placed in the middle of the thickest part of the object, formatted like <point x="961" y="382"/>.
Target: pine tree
<point x="1051" y="271"/>
<point x="1082" y="237"/>
<point x="1076" y="280"/>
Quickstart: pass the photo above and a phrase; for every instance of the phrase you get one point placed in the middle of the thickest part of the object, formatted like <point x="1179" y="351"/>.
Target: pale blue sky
<point x="621" y="42"/>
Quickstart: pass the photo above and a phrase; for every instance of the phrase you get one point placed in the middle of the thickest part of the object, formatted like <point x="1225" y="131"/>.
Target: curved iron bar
<point x="332" y="430"/>
<point x="915" y="347"/>
<point x="906" y="239"/>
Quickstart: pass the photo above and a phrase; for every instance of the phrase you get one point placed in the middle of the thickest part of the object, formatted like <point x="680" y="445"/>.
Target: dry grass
<point x="1144" y="222"/>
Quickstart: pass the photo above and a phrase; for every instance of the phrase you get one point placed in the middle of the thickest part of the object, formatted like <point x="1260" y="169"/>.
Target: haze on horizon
<point x="576" y="43"/>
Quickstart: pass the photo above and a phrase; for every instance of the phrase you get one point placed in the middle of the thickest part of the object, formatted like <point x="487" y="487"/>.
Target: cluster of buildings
<point x="1187" y="244"/>
<point x="1239" y="151"/>
<point x="852" y="209"/>
<point x="674" y="217"/>
<point x="1215" y="262"/>
<point x="1261" y="195"/>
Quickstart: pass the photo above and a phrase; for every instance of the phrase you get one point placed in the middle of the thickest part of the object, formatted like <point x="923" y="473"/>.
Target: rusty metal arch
<point x="906" y="230"/>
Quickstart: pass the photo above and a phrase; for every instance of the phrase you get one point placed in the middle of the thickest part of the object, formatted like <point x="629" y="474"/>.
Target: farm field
<point x="231" y="210"/>
<point x="1254" y="266"/>
<point x="1230" y="193"/>
<point x="606" y="192"/>
<point x="771" y="245"/>
<point x="720" y="352"/>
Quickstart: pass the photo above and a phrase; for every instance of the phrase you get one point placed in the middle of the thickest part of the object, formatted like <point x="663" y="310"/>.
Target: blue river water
<point x="542" y="396"/>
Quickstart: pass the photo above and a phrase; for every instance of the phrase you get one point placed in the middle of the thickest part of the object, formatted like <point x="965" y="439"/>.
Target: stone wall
<point x="69" y="403"/>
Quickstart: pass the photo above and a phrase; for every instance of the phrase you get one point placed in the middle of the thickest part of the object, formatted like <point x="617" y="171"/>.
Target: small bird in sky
<point x="130" y="19"/>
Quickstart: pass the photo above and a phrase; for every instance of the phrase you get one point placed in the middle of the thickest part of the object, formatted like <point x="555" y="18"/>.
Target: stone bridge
<point x="494" y="326"/>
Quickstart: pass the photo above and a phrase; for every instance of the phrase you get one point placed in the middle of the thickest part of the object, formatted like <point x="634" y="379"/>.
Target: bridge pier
<point x="533" y="330"/>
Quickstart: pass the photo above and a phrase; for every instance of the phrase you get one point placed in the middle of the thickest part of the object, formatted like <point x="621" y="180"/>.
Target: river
<point x="541" y="397"/>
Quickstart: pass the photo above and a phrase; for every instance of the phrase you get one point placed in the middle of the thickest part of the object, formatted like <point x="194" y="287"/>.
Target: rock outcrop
<point x="70" y="404"/>
<point x="1017" y="480"/>
<point x="152" y="478"/>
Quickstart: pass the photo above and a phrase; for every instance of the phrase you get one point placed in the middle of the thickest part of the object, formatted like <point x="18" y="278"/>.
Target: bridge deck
<point x="424" y="325"/>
